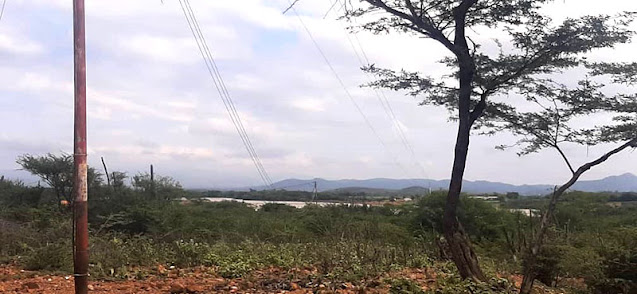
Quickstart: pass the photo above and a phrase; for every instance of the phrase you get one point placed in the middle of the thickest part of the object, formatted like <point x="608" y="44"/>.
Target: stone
<point x="177" y="288"/>
<point x="30" y="285"/>
<point x="194" y="289"/>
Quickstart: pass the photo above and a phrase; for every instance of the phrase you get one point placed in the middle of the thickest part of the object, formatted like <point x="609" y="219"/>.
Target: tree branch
<point x="529" y="274"/>
<point x="565" y="158"/>
<point x="585" y="167"/>
<point x="426" y="28"/>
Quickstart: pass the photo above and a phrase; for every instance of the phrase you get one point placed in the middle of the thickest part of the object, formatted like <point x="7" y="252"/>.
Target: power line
<point x="291" y="5"/>
<point x="4" y="2"/>
<point x="348" y="94"/>
<point x="225" y="90"/>
<point x="230" y="107"/>
<point x="331" y="7"/>
<point x="382" y="98"/>
<point x="213" y="70"/>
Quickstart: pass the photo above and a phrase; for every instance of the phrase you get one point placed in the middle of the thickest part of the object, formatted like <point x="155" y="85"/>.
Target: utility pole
<point x="108" y="178"/>
<point x="153" y="193"/>
<point x="80" y="170"/>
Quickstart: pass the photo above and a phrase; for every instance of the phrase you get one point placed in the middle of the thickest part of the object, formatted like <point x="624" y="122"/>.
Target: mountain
<point x="622" y="183"/>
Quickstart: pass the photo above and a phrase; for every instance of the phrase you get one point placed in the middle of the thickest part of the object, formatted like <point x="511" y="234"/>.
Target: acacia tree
<point x="57" y="172"/>
<point x="550" y="125"/>
<point x="165" y="188"/>
<point x="540" y="48"/>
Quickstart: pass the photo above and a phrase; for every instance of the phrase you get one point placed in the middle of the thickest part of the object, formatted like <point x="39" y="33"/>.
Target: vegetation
<point x="591" y="240"/>
<point x="481" y="86"/>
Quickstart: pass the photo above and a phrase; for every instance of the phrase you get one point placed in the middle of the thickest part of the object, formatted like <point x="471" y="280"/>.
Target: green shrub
<point x="51" y="257"/>
<point x="404" y="286"/>
<point x="455" y="285"/>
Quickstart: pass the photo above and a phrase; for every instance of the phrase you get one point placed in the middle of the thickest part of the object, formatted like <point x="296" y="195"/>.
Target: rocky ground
<point x="197" y="280"/>
<point x="203" y="280"/>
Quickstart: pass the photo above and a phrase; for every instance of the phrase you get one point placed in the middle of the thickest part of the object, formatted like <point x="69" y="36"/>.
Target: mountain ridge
<point x="626" y="182"/>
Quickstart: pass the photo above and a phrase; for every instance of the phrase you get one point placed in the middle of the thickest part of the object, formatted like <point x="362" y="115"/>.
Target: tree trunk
<point x="531" y="258"/>
<point x="459" y="244"/>
<point x="462" y="253"/>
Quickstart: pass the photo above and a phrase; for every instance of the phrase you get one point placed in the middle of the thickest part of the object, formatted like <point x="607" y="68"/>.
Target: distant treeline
<point x="624" y="197"/>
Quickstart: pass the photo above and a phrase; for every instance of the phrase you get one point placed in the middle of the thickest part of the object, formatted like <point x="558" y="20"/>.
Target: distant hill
<point x="622" y="183"/>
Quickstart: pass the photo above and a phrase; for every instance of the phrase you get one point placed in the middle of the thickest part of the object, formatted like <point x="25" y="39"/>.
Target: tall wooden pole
<point x="153" y="192"/>
<point x="108" y="177"/>
<point x="80" y="183"/>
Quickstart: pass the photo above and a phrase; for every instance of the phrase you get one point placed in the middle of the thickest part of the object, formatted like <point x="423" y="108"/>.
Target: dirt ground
<point x="204" y="280"/>
<point x="197" y="280"/>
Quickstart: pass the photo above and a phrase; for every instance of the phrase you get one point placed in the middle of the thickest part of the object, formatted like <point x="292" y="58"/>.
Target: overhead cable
<point x="213" y="70"/>
<point x="348" y="94"/>
<point x="4" y="2"/>
<point x="382" y="99"/>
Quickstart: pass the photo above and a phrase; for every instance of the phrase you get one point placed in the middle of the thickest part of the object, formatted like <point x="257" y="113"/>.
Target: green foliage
<point x="454" y="285"/>
<point x="118" y="180"/>
<point x="624" y="197"/>
<point x="15" y="193"/>
<point x="547" y="265"/>
<point x="404" y="286"/>
<point x="51" y="257"/>
<point x="619" y="253"/>
<point x="57" y="172"/>
<point x="130" y="234"/>
<point x="529" y="72"/>
<point x="483" y="222"/>
<point x="163" y="187"/>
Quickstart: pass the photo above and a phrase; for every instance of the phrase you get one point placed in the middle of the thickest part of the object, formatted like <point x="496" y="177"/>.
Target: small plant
<point x="404" y="286"/>
<point x="51" y="257"/>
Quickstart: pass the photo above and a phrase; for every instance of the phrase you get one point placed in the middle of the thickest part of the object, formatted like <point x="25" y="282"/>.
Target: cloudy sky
<point x="150" y="99"/>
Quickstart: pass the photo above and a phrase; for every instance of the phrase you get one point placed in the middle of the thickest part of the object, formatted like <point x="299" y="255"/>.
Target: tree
<point x="165" y="187"/>
<point x="57" y="172"/>
<point x="117" y="179"/>
<point x="540" y="48"/>
<point x="15" y="193"/>
<point x="552" y="124"/>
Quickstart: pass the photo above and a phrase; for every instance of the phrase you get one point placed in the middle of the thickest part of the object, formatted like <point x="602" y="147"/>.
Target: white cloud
<point x="105" y="104"/>
<point x="166" y="152"/>
<point x="20" y="46"/>
<point x="151" y="101"/>
<point x="309" y="104"/>
<point x="162" y="49"/>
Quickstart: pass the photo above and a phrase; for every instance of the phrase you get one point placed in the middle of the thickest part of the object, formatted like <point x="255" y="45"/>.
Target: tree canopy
<point x="491" y="90"/>
<point x="57" y="172"/>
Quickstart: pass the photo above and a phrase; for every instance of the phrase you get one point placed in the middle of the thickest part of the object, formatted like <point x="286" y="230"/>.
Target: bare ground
<point x="204" y="280"/>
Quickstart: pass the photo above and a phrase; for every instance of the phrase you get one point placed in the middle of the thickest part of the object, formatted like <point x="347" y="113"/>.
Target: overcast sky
<point x="150" y="99"/>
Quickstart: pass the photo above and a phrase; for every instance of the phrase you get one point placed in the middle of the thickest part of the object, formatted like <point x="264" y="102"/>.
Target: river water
<point x="258" y="203"/>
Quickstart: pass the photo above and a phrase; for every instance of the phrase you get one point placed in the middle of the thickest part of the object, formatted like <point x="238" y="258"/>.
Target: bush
<point x="618" y="264"/>
<point x="15" y="193"/>
<point x="51" y="257"/>
<point x="404" y="286"/>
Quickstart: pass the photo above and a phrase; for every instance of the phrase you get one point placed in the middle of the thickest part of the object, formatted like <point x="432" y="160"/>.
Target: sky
<point x="151" y="101"/>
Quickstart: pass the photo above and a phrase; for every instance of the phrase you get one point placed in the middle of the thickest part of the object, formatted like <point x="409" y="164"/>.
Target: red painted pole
<point x="80" y="183"/>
